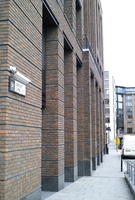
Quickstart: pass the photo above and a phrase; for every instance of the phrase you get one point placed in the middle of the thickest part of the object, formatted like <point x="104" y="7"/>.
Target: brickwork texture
<point x="56" y="132"/>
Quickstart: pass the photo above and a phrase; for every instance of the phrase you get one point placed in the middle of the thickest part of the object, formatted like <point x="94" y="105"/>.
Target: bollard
<point x="131" y="173"/>
<point x="127" y="168"/>
<point x="134" y="174"/>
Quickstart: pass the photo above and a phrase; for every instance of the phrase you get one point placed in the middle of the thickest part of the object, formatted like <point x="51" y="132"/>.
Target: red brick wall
<point x="72" y="119"/>
<point x="20" y="125"/>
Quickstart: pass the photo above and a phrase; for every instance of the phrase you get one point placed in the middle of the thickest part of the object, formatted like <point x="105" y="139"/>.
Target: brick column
<point x="87" y="114"/>
<point x="70" y="11"/>
<point x="98" y="127"/>
<point x="53" y="114"/>
<point x="70" y="120"/>
<point x="20" y="116"/>
<point x="101" y="126"/>
<point x="79" y="24"/>
<point x="104" y="132"/>
<point x="93" y="33"/>
<point x="4" y="76"/>
<point x="94" y="126"/>
<point x="80" y="120"/>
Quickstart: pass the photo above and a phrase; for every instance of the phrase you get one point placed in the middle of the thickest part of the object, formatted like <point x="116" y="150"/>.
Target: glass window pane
<point x="120" y="98"/>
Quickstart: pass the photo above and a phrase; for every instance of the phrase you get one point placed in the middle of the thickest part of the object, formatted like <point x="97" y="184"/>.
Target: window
<point x="107" y="120"/>
<point x="79" y="21"/>
<point x="129" y="109"/>
<point x="120" y="90"/>
<point x="106" y="75"/>
<point x="130" y="116"/>
<point x="130" y="123"/>
<point x="120" y="105"/>
<point x="129" y="112"/>
<point x="128" y="104"/>
<point x="106" y="92"/>
<point x="129" y="130"/>
<point x="129" y="99"/>
<point x="130" y="90"/>
<point x="120" y="98"/>
<point x="107" y="110"/>
<point x="106" y="101"/>
<point x="106" y="82"/>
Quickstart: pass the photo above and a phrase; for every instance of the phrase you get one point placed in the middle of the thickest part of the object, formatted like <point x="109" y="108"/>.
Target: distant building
<point x="113" y="108"/>
<point x="107" y="104"/>
<point x="125" y="110"/>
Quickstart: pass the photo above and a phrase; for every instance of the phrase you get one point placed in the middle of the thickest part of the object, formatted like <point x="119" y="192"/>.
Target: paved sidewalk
<point x="106" y="183"/>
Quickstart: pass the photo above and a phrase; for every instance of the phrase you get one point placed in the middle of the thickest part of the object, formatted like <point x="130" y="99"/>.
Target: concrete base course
<point x="34" y="196"/>
<point x="71" y="174"/>
<point x="85" y="168"/>
<point x="98" y="159"/>
<point x="94" y="163"/>
<point x="52" y="183"/>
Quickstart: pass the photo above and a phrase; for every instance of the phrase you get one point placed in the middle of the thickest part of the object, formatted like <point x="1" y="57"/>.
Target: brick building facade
<point x="55" y="132"/>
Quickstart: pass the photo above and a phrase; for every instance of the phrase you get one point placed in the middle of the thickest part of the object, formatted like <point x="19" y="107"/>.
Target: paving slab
<point x="106" y="183"/>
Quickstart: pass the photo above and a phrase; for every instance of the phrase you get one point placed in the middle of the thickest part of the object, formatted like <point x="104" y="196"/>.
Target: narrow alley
<point x="106" y="183"/>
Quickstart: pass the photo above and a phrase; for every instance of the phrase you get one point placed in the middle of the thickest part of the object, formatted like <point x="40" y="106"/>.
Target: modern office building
<point x="51" y="94"/>
<point x="125" y="110"/>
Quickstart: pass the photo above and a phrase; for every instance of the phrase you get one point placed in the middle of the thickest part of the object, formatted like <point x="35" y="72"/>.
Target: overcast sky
<point x="119" y="40"/>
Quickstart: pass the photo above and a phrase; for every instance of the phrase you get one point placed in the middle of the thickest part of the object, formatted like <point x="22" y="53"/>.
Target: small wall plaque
<point x="17" y="87"/>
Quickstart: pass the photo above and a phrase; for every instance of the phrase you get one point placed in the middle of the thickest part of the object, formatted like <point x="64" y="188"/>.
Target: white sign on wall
<point x="17" y="87"/>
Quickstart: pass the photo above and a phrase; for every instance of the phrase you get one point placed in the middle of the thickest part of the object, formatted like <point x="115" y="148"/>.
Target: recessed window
<point x="129" y="130"/>
<point x="120" y="98"/>
<point x="78" y="21"/>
